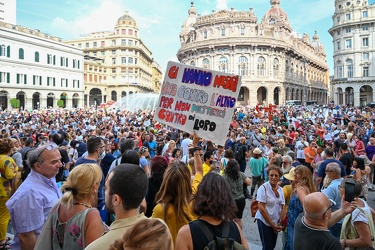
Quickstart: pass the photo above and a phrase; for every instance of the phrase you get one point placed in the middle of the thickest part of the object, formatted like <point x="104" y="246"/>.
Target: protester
<point x="37" y="194"/>
<point x="8" y="170"/>
<point x="237" y="180"/>
<point x="271" y="203"/>
<point x="74" y="222"/>
<point x="145" y="234"/>
<point x="215" y="207"/>
<point x="257" y="165"/>
<point x="125" y="188"/>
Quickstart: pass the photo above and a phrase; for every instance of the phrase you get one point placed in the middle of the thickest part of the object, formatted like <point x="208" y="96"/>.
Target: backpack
<point x="219" y="243"/>
<point x="238" y="152"/>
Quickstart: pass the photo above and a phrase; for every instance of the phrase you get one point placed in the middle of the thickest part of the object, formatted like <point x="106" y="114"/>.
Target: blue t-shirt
<point x="323" y="165"/>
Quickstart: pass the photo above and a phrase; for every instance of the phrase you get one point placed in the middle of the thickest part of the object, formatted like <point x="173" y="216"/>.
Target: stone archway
<point x="4" y="99"/>
<point x="365" y="95"/>
<point x="276" y="96"/>
<point x="349" y="96"/>
<point x="36" y="100"/>
<point x="21" y="96"/>
<point x="50" y="99"/>
<point x="95" y="97"/>
<point x="75" y="100"/>
<point x="262" y="95"/>
<point x="63" y="98"/>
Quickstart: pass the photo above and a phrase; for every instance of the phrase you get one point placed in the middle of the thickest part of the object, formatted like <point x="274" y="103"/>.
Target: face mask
<point x="102" y="155"/>
<point x="211" y="162"/>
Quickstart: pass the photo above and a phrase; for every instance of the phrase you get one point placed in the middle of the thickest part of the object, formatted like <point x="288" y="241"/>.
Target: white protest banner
<point x="197" y="99"/>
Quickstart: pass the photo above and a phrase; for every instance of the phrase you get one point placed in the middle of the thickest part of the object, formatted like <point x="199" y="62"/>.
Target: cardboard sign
<point x="197" y="99"/>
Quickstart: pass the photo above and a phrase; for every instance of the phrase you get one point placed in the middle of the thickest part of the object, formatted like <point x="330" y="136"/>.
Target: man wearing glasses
<point x="31" y="203"/>
<point x="333" y="171"/>
<point x="311" y="228"/>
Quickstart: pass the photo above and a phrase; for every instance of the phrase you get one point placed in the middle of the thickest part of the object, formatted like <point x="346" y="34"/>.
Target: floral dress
<point x="69" y="235"/>
<point x="294" y="209"/>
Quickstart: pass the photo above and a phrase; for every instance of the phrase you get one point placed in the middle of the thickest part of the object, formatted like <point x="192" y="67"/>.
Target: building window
<point x="87" y="45"/>
<point x="365" y="42"/>
<point x="242" y="31"/>
<point x="349" y="68"/>
<point x="347" y="17"/>
<point x="2" y="50"/>
<point x="36" y="56"/>
<point x="4" y="77"/>
<point x="102" y="43"/>
<point x="205" y="34"/>
<point x="80" y="45"/>
<point x="348" y="30"/>
<point x="130" y="32"/>
<point x="365" y="71"/>
<point x="21" y="54"/>
<point x="364" y="14"/>
<point x="64" y="82"/>
<point x="130" y="42"/>
<point x="103" y="53"/>
<point x="37" y="80"/>
<point x="123" y="60"/>
<point x="113" y="60"/>
<point x="206" y="63"/>
<point x="135" y="34"/>
<point x="113" y="42"/>
<point x="365" y="27"/>
<point x="123" y="42"/>
<point x="77" y="83"/>
<point x="123" y="31"/>
<point x="192" y="63"/>
<point x="338" y="19"/>
<point x="223" y="64"/>
<point x="21" y="78"/>
<point x="222" y="31"/>
<point x="348" y="43"/>
<point x="276" y="67"/>
<point x="338" y="45"/>
<point x="113" y="52"/>
<point x="130" y="60"/>
<point x="261" y="66"/>
<point x="62" y="61"/>
<point x="339" y="69"/>
<point x="242" y="65"/>
<point x="95" y="44"/>
<point x="365" y="56"/>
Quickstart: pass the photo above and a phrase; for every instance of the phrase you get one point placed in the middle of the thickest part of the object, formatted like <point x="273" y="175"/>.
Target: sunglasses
<point x="333" y="203"/>
<point x="48" y="147"/>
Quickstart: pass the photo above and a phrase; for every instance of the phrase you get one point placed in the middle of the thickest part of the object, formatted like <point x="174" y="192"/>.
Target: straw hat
<point x="290" y="175"/>
<point x="257" y="151"/>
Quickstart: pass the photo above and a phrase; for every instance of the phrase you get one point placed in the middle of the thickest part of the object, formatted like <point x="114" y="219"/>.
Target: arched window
<point x="36" y="56"/>
<point x="21" y="54"/>
<point x="242" y="65"/>
<point x="223" y="64"/>
<point x="192" y="63"/>
<point x="114" y="95"/>
<point x="261" y="66"/>
<point x="339" y="69"/>
<point x="206" y="63"/>
<point x="349" y="67"/>
<point x="275" y="67"/>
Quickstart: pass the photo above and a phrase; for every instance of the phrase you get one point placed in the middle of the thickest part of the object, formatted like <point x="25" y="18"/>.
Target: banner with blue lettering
<point x="197" y="99"/>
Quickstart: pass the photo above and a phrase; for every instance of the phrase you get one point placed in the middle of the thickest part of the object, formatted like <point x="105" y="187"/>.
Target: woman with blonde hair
<point x="176" y="192"/>
<point x="145" y="234"/>
<point x="74" y="222"/>
<point x="304" y="185"/>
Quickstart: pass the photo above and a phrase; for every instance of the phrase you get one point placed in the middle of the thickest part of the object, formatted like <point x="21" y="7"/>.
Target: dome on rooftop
<point x="126" y="19"/>
<point x="275" y="14"/>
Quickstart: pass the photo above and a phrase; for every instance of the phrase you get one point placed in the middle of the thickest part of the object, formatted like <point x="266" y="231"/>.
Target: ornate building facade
<point x="38" y="69"/>
<point x="126" y="63"/>
<point x="275" y="63"/>
<point x="353" y="41"/>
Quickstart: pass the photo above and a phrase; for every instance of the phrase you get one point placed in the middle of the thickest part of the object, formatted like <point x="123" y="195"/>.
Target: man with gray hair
<point x="286" y="166"/>
<point x="333" y="172"/>
<point x="31" y="203"/>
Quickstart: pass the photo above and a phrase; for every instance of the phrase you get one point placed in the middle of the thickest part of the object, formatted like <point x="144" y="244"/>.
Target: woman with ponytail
<point x="74" y="222"/>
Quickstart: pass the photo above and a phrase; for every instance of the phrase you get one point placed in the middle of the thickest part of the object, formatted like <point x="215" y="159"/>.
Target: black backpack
<point x="239" y="154"/>
<point x="219" y="243"/>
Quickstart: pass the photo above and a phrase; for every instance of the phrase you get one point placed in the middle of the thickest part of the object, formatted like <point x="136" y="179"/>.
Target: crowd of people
<point x="99" y="179"/>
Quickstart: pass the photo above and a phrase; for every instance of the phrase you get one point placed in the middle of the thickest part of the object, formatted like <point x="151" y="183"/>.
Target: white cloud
<point x="221" y="4"/>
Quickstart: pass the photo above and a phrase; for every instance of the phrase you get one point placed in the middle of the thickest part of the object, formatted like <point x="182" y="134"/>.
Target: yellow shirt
<point x="172" y="222"/>
<point x="8" y="170"/>
<point x="206" y="169"/>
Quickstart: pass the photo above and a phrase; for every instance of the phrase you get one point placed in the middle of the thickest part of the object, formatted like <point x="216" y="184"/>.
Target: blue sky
<point x="159" y="21"/>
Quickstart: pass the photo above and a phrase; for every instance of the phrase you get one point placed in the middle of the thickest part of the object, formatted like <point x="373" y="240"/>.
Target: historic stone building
<point x="38" y="69"/>
<point x="353" y="41"/>
<point x="276" y="64"/>
<point x="126" y="63"/>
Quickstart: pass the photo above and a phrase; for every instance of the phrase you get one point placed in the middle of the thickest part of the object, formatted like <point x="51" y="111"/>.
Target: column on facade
<point x="356" y="98"/>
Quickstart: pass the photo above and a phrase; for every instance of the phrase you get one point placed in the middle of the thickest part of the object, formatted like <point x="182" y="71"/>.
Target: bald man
<point x="311" y="228"/>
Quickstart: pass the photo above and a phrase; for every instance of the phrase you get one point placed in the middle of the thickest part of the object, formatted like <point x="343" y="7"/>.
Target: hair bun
<point x="73" y="190"/>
